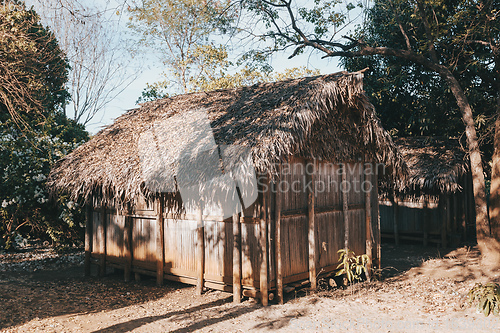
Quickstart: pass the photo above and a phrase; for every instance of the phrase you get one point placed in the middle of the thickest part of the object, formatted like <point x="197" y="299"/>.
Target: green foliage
<point x="182" y="34"/>
<point x="26" y="158"/>
<point x="247" y="77"/>
<point x="351" y="265"/>
<point x="487" y="298"/>
<point x="413" y="100"/>
<point x="153" y="92"/>
<point x="35" y="70"/>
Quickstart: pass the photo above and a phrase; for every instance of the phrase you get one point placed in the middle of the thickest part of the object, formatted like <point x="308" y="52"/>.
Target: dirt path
<point x="426" y="293"/>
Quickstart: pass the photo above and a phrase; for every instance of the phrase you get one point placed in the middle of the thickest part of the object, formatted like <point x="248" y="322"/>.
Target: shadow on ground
<point x="49" y="293"/>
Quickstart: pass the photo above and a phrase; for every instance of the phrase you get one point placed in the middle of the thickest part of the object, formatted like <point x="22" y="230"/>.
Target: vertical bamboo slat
<point x="345" y="205"/>
<point x="378" y="235"/>
<point x="160" y="241"/>
<point x="236" y="259"/>
<point x="455" y="213"/>
<point x="444" y="223"/>
<point x="425" y="222"/>
<point x="264" y="288"/>
<point x="278" y="243"/>
<point x="89" y="222"/>
<point x="102" y="231"/>
<point x="395" y="210"/>
<point x="201" y="252"/>
<point x="127" y="241"/>
<point x="448" y="216"/>
<point x="368" y="220"/>
<point x="313" y="256"/>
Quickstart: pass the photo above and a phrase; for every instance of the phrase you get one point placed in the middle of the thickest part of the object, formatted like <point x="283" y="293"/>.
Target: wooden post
<point x="368" y="219"/>
<point x="160" y="241"/>
<point x="313" y="254"/>
<point x="89" y="223"/>
<point x="102" y="235"/>
<point x="425" y="224"/>
<point x="395" y="215"/>
<point x="264" y="288"/>
<point x="236" y="259"/>
<point x="277" y="242"/>
<point x="127" y="240"/>
<point x="345" y="205"/>
<point x="201" y="251"/>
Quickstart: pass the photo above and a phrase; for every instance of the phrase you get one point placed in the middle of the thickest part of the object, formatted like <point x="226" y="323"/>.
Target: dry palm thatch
<point x="324" y="117"/>
<point x="435" y="165"/>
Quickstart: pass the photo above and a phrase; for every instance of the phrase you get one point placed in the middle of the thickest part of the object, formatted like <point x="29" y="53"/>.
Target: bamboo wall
<point x="445" y="218"/>
<point x="283" y="238"/>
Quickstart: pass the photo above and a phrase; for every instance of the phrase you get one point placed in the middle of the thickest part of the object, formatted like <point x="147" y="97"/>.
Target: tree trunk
<point x="495" y="180"/>
<point x="483" y="232"/>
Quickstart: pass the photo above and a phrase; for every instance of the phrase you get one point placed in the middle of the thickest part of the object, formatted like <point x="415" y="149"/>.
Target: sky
<point x="150" y="68"/>
<point x="126" y="100"/>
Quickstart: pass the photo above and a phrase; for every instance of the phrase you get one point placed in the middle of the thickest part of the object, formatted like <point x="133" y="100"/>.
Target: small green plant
<point x="487" y="298"/>
<point x="351" y="265"/>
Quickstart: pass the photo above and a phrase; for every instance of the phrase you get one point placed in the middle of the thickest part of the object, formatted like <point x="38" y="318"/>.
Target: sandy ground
<point x="425" y="291"/>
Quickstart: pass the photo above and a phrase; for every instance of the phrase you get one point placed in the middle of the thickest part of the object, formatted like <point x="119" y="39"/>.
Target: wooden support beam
<point x="264" y="266"/>
<point x="368" y="218"/>
<point x="310" y="171"/>
<point x="102" y="235"/>
<point x="201" y="252"/>
<point x="344" y="186"/>
<point x="127" y="241"/>
<point x="236" y="259"/>
<point x="160" y="240"/>
<point x="89" y="225"/>
<point x="278" y="243"/>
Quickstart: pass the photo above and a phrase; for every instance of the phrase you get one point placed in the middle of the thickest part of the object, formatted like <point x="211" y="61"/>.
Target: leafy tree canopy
<point x="34" y="132"/>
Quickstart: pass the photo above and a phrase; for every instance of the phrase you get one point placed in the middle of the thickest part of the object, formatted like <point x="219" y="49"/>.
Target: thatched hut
<point x="435" y="202"/>
<point x="235" y="189"/>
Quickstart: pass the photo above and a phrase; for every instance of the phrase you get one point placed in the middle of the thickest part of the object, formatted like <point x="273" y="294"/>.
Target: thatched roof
<point x="324" y="117"/>
<point x="435" y="165"/>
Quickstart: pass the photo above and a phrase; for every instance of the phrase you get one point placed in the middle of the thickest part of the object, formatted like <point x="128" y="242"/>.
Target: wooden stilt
<point x="102" y="236"/>
<point x="264" y="288"/>
<point x="201" y="252"/>
<point x="236" y="259"/>
<point x="89" y="222"/>
<point x="278" y="244"/>
<point x="160" y="241"/>
<point x="368" y="220"/>
<point x="313" y="253"/>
